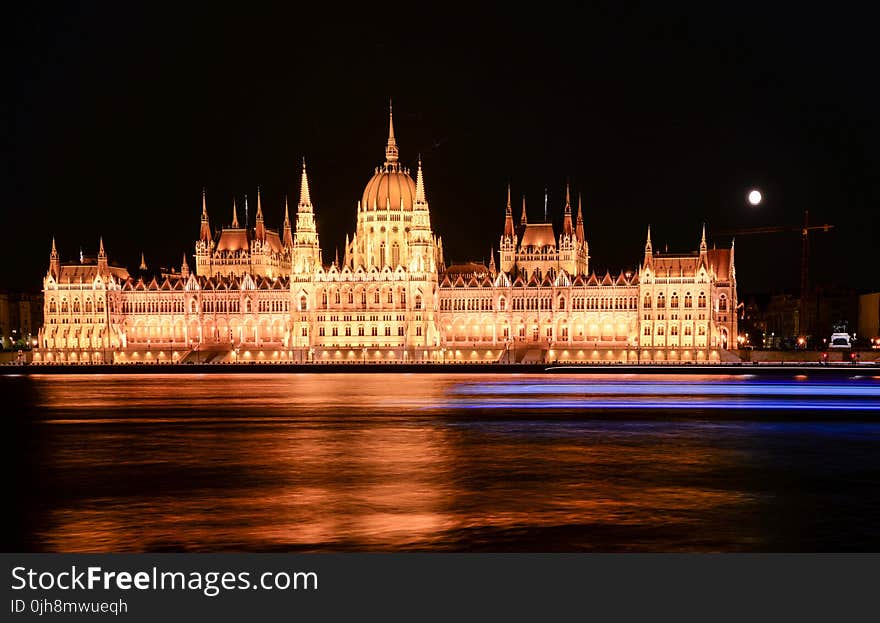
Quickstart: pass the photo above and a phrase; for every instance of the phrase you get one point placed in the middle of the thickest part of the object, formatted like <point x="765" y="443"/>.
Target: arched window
<point x="661" y="301"/>
<point x="561" y="302"/>
<point x="192" y="306"/>
<point x="52" y="306"/>
<point x="336" y="297"/>
<point x="88" y="306"/>
<point x="673" y="300"/>
<point x="324" y="299"/>
<point x="502" y="304"/>
<point x="390" y="296"/>
<point x="304" y="303"/>
<point x="418" y="304"/>
<point x="395" y="255"/>
<point x="350" y="297"/>
<point x="701" y="300"/>
<point x="376" y="297"/>
<point x="688" y="300"/>
<point x="247" y="306"/>
<point x="722" y="303"/>
<point x="382" y="255"/>
<point x="673" y="330"/>
<point x="660" y="330"/>
<point x="647" y="301"/>
<point x="75" y="306"/>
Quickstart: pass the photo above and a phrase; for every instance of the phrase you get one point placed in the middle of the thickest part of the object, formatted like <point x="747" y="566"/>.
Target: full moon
<point x="755" y="197"/>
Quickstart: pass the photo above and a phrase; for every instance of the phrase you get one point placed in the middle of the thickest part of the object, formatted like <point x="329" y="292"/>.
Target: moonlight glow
<point x="755" y="197"/>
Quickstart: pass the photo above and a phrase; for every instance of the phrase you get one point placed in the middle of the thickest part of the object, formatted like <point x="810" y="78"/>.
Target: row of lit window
<point x="673" y="330"/>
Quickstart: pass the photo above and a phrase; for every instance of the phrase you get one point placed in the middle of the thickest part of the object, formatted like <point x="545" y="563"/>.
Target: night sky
<point x="117" y="117"/>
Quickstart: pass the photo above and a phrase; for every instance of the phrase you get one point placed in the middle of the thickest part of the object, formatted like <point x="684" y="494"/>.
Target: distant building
<point x="21" y="316"/>
<point x="258" y="294"/>
<point x="869" y="315"/>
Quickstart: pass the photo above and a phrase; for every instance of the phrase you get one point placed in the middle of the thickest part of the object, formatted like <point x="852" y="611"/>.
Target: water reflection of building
<point x="258" y="294"/>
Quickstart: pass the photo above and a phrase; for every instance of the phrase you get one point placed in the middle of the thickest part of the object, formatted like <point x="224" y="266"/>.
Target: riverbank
<point x="745" y="368"/>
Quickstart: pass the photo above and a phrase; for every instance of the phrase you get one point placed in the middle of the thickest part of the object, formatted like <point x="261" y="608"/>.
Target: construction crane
<point x="804" y="231"/>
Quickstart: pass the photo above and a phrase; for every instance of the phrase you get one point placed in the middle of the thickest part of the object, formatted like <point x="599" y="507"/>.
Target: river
<point x="441" y="462"/>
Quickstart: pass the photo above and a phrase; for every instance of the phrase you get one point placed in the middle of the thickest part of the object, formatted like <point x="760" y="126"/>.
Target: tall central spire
<point x="391" y="148"/>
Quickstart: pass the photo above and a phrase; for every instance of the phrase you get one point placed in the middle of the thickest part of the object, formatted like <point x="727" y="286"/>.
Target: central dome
<point x="390" y="186"/>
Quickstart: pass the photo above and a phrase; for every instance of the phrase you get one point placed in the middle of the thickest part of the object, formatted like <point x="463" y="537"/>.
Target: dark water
<point x="441" y="462"/>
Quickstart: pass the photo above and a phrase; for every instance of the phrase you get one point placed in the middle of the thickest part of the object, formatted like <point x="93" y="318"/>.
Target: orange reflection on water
<point x="337" y="462"/>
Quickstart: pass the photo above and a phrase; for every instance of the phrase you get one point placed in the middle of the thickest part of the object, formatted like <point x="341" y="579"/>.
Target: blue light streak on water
<point x="682" y="388"/>
<point x="728" y="394"/>
<point x="777" y="405"/>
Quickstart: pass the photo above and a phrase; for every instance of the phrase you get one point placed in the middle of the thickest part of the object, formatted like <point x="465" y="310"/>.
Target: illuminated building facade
<point x="262" y="295"/>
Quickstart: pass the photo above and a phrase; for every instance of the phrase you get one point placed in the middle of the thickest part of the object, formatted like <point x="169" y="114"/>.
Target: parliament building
<point x="256" y="294"/>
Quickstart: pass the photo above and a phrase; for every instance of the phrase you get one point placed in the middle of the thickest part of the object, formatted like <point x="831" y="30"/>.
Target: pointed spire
<point x="305" y="199"/>
<point x="545" y="206"/>
<point x="648" y="246"/>
<point x="54" y="263"/>
<point x="143" y="265"/>
<point x="579" y="228"/>
<point x="184" y="267"/>
<point x="523" y="220"/>
<point x="703" y="246"/>
<point x="205" y="227"/>
<point x="336" y="261"/>
<point x="509" y="231"/>
<point x="391" y="148"/>
<point x="420" y="184"/>
<point x="102" y="256"/>
<point x="260" y="229"/>
<point x="492" y="269"/>
<point x="234" y="214"/>
<point x="567" y="229"/>
<point x="287" y="239"/>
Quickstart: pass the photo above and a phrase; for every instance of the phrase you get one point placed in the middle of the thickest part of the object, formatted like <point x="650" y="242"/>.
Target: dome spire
<point x="523" y="220"/>
<point x="234" y="215"/>
<point x="391" y="148"/>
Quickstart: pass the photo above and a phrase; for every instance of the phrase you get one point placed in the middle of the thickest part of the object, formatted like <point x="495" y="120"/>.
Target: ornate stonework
<point x="263" y="296"/>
